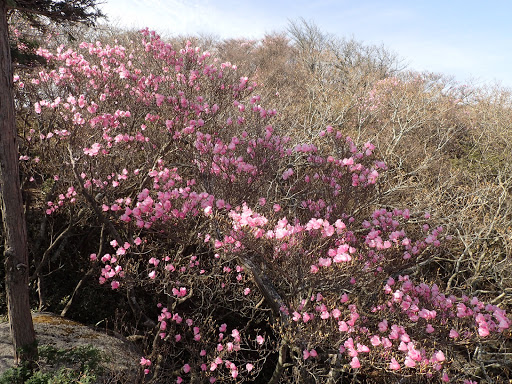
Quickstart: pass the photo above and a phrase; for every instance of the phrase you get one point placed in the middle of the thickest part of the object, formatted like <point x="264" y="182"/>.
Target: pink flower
<point x="324" y="262"/>
<point x="409" y="362"/>
<point x="249" y="367"/>
<point x="504" y="322"/>
<point x="115" y="284"/>
<point x="260" y="340"/>
<point x="94" y="150"/>
<point x="386" y="343"/>
<point x="159" y="99"/>
<point x="186" y="368"/>
<point x="355" y="363"/>
<point x="394" y="364"/>
<point x="154" y="261"/>
<point x="413" y="352"/>
<point x="383" y="325"/>
<point x="342" y="326"/>
<point x="349" y="343"/>
<point x="145" y="362"/>
<point x="438" y="356"/>
<point x="454" y="334"/>
<point x="483" y="330"/>
<point x="287" y="173"/>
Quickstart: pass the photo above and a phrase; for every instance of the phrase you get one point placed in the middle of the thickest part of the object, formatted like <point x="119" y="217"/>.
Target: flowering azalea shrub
<point x="250" y="255"/>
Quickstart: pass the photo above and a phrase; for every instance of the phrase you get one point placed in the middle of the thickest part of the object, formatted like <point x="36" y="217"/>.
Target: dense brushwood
<point x="295" y="209"/>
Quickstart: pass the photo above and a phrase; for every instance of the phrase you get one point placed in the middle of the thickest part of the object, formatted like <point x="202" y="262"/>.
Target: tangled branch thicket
<point x="295" y="209"/>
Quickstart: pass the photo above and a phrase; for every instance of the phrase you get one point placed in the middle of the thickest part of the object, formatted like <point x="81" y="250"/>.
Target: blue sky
<point x="469" y="39"/>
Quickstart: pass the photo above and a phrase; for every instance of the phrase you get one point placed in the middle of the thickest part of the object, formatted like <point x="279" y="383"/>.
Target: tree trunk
<point x="15" y="233"/>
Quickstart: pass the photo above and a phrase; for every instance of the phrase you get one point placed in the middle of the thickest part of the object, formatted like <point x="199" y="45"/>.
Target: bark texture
<point x="13" y="218"/>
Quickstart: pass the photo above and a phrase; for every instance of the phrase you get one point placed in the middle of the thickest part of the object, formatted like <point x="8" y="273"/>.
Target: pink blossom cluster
<point x="179" y="153"/>
<point x="425" y="310"/>
<point x="63" y="198"/>
<point x="212" y="358"/>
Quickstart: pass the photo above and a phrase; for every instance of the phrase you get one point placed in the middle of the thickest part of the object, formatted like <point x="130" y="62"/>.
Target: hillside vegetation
<point x="300" y="208"/>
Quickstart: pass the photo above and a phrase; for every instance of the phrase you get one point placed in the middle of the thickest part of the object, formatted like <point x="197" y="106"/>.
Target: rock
<point x="121" y="360"/>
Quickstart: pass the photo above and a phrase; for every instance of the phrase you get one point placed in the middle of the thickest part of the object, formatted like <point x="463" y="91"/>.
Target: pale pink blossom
<point x="409" y="362"/>
<point x="354" y="363"/>
<point x="394" y="364"/>
<point x="438" y="356"/>
<point x="94" y="150"/>
<point x="145" y="362"/>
